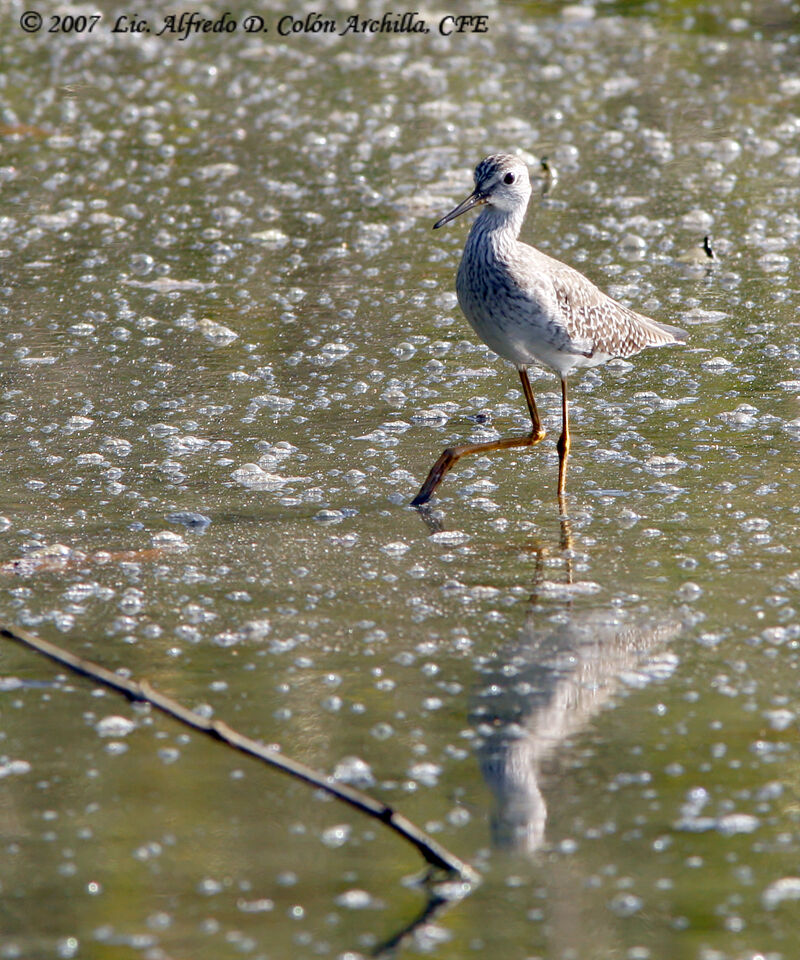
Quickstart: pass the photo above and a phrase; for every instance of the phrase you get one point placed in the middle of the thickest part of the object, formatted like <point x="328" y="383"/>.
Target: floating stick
<point x="434" y="853"/>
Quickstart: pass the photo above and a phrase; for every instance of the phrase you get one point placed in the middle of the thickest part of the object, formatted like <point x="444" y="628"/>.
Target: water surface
<point x="230" y="353"/>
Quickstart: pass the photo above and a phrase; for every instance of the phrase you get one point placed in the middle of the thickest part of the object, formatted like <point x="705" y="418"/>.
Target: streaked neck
<point x="497" y="228"/>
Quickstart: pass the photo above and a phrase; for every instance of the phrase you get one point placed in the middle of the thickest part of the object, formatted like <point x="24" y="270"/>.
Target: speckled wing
<point x="540" y="297"/>
<point x="594" y="319"/>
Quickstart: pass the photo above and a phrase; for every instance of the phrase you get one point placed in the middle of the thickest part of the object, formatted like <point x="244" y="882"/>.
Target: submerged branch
<point x="434" y="853"/>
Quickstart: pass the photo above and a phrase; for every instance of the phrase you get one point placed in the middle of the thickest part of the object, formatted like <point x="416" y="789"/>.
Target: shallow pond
<point x="230" y="353"/>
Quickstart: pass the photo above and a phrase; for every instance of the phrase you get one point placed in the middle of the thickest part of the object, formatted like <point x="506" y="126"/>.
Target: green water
<point x="217" y="253"/>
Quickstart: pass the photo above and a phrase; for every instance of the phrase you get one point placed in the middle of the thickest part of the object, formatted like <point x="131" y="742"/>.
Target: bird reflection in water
<point x="546" y="687"/>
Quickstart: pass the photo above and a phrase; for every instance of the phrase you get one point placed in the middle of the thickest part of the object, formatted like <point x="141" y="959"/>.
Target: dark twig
<point x="434" y="853"/>
<point x="389" y="947"/>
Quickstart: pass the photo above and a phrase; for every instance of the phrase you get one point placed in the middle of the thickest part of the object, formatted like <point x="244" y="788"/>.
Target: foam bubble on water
<point x="780" y="719"/>
<point x="733" y="823"/>
<point x="626" y="904"/>
<point x="785" y="889"/>
<point x="77" y="424"/>
<point x="425" y="773"/>
<point x="167" y="540"/>
<point x="116" y="446"/>
<point x="14" y="768"/>
<point x="663" y="465"/>
<point x="697" y="221"/>
<point x="271" y="401"/>
<point x="114" y="726"/>
<point x="717" y="365"/>
<point x="250" y="475"/>
<point x="355" y="900"/>
<point x="56" y="221"/>
<point x="178" y="446"/>
<point x="216" y="333"/>
<point x="355" y="771"/>
<point x="337" y="836"/>
<point x="554" y="590"/>
<point x="262" y="905"/>
<point x="395" y="549"/>
<point x="450" y="538"/>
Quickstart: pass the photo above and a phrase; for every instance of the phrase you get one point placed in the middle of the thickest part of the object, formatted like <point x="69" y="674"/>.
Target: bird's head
<point x="501" y="181"/>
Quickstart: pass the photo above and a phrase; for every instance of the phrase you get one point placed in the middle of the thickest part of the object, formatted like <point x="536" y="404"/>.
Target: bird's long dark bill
<point x="472" y="200"/>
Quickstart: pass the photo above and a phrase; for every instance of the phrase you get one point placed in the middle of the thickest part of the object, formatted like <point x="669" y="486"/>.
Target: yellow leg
<point x="452" y="455"/>
<point x="563" y="445"/>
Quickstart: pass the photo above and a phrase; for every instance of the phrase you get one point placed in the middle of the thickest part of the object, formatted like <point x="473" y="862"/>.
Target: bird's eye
<point x="509" y="178"/>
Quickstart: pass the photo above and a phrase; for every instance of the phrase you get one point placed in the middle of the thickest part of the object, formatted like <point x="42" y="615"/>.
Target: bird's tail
<point x="662" y="333"/>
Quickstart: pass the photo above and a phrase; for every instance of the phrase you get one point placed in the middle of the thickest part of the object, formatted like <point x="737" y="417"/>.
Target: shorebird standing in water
<point x="530" y="308"/>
